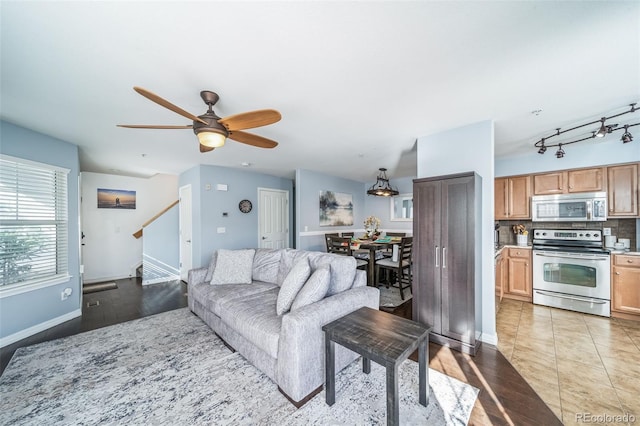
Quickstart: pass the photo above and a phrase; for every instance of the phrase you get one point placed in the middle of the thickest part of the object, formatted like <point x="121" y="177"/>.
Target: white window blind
<point x="33" y="222"/>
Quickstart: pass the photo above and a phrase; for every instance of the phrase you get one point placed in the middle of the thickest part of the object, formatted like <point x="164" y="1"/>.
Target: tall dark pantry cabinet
<point x="446" y="277"/>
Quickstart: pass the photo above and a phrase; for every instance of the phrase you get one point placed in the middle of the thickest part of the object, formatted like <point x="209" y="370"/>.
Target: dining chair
<point x="342" y="246"/>
<point x="326" y="239"/>
<point x="389" y="251"/>
<point x="401" y="268"/>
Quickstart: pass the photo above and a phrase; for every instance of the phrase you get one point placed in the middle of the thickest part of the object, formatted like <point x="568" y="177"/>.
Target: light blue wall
<point x="464" y="149"/>
<point x="210" y="204"/>
<point x="31" y="309"/>
<point x="308" y="186"/>
<point x="161" y="247"/>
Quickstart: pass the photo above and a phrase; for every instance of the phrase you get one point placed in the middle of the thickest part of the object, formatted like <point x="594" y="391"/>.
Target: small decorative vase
<point x="521" y="240"/>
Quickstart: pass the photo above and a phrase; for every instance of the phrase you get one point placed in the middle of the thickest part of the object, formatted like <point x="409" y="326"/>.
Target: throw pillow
<point x="212" y="267"/>
<point x="292" y="284"/>
<point x="265" y="265"/>
<point x="314" y="289"/>
<point x="233" y="267"/>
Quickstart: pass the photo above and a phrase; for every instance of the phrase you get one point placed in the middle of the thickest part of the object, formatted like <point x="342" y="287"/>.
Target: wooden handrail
<point x="138" y="233"/>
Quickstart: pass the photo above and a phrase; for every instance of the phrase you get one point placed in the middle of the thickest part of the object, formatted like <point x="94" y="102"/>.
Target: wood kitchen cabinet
<point x="625" y="287"/>
<point x="500" y="275"/>
<point x="519" y="270"/>
<point x="512" y="197"/>
<point x="570" y="181"/>
<point x="623" y="190"/>
<point x="446" y="295"/>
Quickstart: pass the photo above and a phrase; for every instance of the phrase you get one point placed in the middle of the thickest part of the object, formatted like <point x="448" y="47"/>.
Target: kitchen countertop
<point x="498" y="251"/>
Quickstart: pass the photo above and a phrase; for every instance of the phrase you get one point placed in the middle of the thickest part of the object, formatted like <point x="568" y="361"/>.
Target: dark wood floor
<point x="505" y="398"/>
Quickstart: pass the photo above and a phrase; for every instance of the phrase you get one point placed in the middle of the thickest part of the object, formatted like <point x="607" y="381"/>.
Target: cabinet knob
<point x="617" y="273"/>
<point x="629" y="261"/>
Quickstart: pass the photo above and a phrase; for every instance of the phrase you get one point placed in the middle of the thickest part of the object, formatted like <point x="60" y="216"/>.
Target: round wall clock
<point x="245" y="206"/>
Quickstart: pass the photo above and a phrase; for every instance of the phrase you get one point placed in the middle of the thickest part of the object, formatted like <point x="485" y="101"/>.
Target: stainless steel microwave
<point x="580" y="207"/>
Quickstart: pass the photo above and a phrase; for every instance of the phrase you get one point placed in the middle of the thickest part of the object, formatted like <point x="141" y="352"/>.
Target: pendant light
<point x="382" y="188"/>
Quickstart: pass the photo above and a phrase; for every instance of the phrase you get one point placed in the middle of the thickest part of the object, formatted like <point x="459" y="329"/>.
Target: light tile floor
<point x="577" y="363"/>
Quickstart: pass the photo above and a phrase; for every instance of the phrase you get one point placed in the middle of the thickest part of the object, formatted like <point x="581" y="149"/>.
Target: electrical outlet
<point x="606" y="231"/>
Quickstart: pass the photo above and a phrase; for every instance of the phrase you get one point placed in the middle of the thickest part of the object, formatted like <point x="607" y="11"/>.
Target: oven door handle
<point x="579" y="299"/>
<point x="574" y="256"/>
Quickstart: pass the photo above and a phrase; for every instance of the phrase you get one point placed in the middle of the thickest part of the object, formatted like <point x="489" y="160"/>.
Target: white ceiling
<point x="356" y="82"/>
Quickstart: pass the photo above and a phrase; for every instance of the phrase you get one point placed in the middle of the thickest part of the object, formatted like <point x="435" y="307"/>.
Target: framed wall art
<point x="116" y="199"/>
<point x="336" y="209"/>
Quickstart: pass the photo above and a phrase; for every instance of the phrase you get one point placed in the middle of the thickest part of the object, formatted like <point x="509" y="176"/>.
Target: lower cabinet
<point x="625" y="286"/>
<point x="517" y="274"/>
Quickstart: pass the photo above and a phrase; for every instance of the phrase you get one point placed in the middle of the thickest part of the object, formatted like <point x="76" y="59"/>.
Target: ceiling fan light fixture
<point x="382" y="187"/>
<point x="212" y="139"/>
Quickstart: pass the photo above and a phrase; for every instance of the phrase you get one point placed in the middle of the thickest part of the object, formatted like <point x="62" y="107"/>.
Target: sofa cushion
<point x="233" y="267"/>
<point x="314" y="289"/>
<point x="292" y="284"/>
<point x="214" y="296"/>
<point x="212" y="266"/>
<point x="254" y="318"/>
<point x="343" y="270"/>
<point x="265" y="265"/>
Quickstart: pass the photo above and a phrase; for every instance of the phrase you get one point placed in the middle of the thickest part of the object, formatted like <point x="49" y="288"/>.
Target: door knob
<point x="264" y="238"/>
<point x="188" y="241"/>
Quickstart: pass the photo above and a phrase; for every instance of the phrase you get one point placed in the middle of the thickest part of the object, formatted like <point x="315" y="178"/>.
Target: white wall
<point x="464" y="149"/>
<point x="110" y="251"/>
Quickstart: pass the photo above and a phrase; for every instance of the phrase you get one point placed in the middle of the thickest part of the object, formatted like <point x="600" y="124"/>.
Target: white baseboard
<point x="23" y="334"/>
<point x="491" y="339"/>
<point x="161" y="280"/>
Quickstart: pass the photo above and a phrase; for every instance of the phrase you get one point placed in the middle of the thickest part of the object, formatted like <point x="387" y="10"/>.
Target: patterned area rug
<point x="390" y="297"/>
<point x="171" y="369"/>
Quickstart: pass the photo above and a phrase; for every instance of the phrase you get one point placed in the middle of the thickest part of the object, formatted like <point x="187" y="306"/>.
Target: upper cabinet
<point x="623" y="190"/>
<point x="512" y="197"/>
<point x="569" y="181"/>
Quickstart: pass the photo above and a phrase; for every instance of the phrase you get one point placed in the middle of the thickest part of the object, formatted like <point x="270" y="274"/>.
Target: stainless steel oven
<point x="571" y="270"/>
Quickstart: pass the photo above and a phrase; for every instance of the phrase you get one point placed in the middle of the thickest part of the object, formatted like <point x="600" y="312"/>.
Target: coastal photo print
<point x="116" y="199"/>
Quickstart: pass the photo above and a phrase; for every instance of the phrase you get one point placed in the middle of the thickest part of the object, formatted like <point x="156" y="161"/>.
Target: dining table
<point x="373" y="246"/>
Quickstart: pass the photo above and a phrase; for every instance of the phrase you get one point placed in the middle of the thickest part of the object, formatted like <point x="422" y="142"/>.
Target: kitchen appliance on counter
<point x="571" y="270"/>
<point x="579" y="207"/>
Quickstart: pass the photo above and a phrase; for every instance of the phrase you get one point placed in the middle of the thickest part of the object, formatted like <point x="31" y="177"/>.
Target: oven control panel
<point x="592" y="235"/>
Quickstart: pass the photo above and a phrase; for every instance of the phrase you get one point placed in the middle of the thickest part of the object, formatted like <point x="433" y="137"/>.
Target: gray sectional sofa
<point x="270" y="306"/>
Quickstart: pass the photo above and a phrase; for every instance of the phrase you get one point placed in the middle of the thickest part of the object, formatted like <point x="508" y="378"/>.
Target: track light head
<point x="560" y="152"/>
<point x="542" y="149"/>
<point x="626" y="136"/>
<point x="603" y="129"/>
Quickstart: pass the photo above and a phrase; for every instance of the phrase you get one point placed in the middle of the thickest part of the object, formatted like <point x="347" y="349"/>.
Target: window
<point x="33" y="223"/>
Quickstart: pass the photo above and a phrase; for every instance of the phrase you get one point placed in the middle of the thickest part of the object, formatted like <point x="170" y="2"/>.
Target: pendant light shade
<point x="382" y="187"/>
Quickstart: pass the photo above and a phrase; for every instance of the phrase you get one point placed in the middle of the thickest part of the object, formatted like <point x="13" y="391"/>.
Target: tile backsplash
<point x="621" y="228"/>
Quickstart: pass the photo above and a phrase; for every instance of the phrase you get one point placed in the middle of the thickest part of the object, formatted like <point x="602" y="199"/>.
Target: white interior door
<point x="273" y="211"/>
<point x="186" y="258"/>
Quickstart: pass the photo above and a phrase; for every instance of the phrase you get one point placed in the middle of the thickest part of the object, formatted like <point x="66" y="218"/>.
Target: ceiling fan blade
<point x="206" y="148"/>
<point x="251" y="119"/>
<point x="251" y="139"/>
<point x="151" y="126"/>
<point x="157" y="99"/>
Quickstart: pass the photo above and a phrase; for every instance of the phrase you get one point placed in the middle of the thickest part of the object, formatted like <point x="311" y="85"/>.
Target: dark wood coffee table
<point x="384" y="338"/>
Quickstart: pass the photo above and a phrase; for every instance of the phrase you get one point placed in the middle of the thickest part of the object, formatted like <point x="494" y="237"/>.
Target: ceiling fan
<point x="211" y="130"/>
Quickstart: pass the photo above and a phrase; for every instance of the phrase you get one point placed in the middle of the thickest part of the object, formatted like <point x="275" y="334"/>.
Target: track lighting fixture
<point x="602" y="131"/>
<point x="626" y="136"/>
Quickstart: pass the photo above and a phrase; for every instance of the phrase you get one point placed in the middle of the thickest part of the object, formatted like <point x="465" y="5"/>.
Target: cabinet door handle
<point x="437" y="262"/>
<point x="444" y="257"/>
